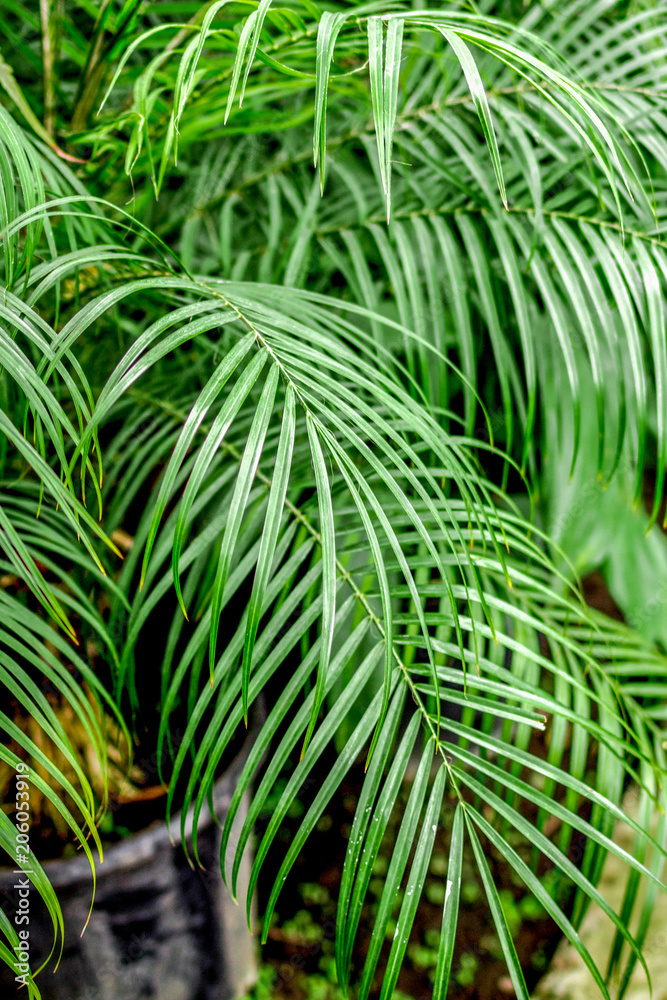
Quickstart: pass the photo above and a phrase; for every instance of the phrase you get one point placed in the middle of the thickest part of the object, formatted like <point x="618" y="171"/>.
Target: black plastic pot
<point x="158" y="929"/>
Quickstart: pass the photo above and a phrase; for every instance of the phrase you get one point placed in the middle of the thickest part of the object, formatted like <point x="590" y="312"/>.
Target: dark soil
<point x="479" y="971"/>
<point x="300" y="941"/>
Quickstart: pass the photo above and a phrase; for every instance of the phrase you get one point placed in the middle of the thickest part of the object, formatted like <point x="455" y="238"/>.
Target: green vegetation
<point x="332" y="355"/>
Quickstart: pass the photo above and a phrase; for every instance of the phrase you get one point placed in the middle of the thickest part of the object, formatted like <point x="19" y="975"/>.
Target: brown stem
<point x="47" y="13"/>
<point x="92" y="75"/>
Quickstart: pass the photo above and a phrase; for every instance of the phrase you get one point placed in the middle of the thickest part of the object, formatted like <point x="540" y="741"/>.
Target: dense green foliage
<point x="340" y="444"/>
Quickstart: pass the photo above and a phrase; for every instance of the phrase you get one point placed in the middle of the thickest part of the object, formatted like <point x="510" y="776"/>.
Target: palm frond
<point x="320" y="486"/>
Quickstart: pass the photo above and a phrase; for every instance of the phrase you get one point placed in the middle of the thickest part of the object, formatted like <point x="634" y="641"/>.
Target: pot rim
<point x="139" y="848"/>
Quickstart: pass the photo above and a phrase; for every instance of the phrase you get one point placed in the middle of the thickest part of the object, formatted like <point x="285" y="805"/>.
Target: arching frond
<point x="335" y="449"/>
